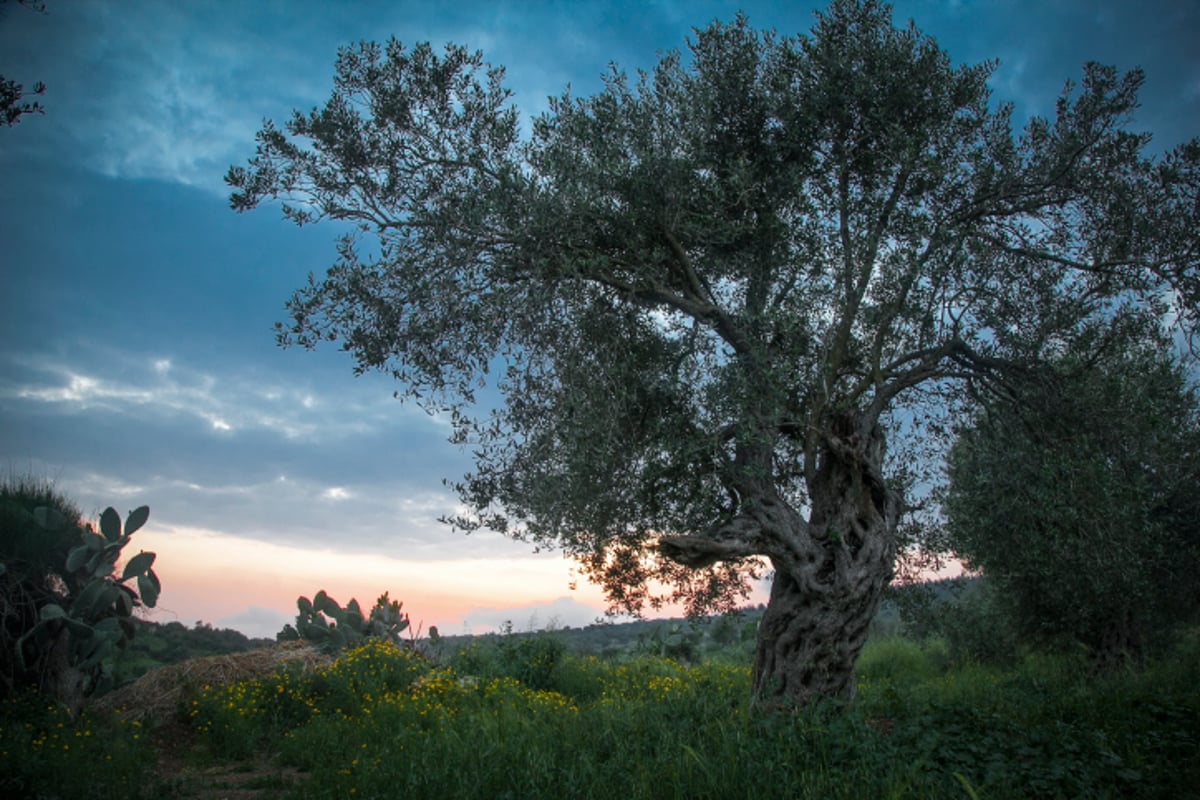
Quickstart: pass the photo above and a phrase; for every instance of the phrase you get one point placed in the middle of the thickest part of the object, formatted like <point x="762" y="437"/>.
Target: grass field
<point x="533" y="721"/>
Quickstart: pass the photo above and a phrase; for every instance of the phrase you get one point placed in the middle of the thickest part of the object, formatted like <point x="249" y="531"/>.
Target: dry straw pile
<point x="160" y="693"/>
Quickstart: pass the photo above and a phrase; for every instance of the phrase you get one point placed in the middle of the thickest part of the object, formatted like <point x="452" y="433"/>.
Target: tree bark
<point x="60" y="679"/>
<point x="830" y="570"/>
<point x="828" y="586"/>
<point x="809" y="640"/>
<point x="1118" y="642"/>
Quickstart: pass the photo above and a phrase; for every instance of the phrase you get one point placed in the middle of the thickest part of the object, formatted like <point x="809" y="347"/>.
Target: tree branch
<point x="741" y="537"/>
<point x="696" y="308"/>
<point x="699" y="289"/>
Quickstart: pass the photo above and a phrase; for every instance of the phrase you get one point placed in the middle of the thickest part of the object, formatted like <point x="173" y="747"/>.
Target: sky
<point x="137" y="356"/>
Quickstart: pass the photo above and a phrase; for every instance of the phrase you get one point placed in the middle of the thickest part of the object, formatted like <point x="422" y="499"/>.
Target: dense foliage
<point x="1092" y="464"/>
<point x="66" y="610"/>
<point x="704" y="293"/>
<point x="383" y="722"/>
<point x="33" y="567"/>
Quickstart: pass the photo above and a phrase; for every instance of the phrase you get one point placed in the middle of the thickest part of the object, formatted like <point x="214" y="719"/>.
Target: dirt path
<point x="182" y="771"/>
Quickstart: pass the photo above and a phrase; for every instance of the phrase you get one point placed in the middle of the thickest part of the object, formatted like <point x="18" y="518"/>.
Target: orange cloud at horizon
<point x="210" y="577"/>
<point x="252" y="585"/>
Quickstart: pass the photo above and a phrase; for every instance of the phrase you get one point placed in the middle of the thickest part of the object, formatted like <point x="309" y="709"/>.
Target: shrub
<point x="898" y="660"/>
<point x="66" y="612"/>
<point x="978" y="627"/>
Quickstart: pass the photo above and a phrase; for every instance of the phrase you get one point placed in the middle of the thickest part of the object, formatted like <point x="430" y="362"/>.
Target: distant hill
<point x="903" y="607"/>
<point x="157" y="644"/>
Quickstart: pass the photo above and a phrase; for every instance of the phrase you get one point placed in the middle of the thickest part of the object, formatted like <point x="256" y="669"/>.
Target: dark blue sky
<point x="137" y="362"/>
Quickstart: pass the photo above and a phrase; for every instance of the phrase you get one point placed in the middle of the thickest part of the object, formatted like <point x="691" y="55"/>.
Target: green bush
<point x="67" y="611"/>
<point x="531" y="659"/>
<point x="33" y="568"/>
<point x="978" y="627"/>
<point x="899" y="659"/>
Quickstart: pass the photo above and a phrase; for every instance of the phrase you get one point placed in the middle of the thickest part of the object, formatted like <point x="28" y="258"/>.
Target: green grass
<point x="382" y="723"/>
<point x="651" y="728"/>
<point x="45" y="752"/>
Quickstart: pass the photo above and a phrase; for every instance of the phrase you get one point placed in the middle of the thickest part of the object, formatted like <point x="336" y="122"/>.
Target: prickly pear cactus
<point x="332" y="628"/>
<point x="75" y="641"/>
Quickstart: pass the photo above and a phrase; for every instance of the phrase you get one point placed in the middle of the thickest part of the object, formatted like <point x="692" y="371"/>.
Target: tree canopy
<point x="704" y="292"/>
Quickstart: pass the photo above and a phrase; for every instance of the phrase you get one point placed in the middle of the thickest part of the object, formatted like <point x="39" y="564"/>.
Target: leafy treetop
<point x="703" y="288"/>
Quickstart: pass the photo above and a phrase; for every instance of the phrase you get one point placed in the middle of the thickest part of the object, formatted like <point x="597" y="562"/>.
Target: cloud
<point x="161" y="91"/>
<point x="394" y="513"/>
<point x="558" y="613"/>
<point x="175" y="92"/>
<point x="257" y="622"/>
<point x="211" y="575"/>
<point x="228" y="402"/>
<point x="61" y="385"/>
<point x="240" y="452"/>
<point x="1042" y="45"/>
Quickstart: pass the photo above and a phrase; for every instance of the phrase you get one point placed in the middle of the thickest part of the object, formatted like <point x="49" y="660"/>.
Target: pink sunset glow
<point x="253" y="585"/>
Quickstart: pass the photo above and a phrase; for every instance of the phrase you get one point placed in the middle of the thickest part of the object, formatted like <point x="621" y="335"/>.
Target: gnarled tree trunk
<point x="828" y="586"/>
<point x="830" y="570"/>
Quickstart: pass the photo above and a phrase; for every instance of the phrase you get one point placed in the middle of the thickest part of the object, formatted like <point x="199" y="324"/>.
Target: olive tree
<point x="703" y="293"/>
<point x="1078" y="499"/>
<point x="13" y="98"/>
